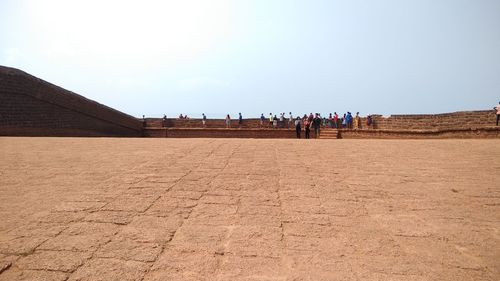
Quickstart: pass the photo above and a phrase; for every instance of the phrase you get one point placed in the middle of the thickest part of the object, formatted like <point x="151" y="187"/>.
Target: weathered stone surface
<point x="130" y="203"/>
<point x="140" y="209"/>
<point x="100" y="269"/>
<point x="66" y="261"/>
<point x="116" y="217"/>
<point x="91" y="228"/>
<point x="128" y="249"/>
<point x="19" y="245"/>
<point x="33" y="275"/>
<point x="78" y="206"/>
<point x="151" y="229"/>
<point x="38" y="229"/>
<point x="81" y="243"/>
<point x="179" y="264"/>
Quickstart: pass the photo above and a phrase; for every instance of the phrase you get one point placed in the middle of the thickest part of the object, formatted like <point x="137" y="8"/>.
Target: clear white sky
<point x="261" y="56"/>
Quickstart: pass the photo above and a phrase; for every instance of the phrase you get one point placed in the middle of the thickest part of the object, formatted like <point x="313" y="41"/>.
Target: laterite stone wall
<point x="33" y="107"/>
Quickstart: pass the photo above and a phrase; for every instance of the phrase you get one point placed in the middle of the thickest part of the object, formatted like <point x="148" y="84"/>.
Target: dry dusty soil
<point x="224" y="209"/>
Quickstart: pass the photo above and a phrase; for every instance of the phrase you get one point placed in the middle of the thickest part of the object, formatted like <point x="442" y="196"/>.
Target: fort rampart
<point x="30" y="106"/>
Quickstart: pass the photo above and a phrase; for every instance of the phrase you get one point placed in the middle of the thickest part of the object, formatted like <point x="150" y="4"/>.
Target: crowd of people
<point x="307" y="123"/>
<point x="315" y="121"/>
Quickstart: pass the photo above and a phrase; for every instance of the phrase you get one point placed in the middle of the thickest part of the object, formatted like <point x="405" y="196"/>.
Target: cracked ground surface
<point x="224" y="209"/>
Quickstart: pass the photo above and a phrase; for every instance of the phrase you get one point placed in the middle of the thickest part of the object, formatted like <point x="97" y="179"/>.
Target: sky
<point x="260" y="56"/>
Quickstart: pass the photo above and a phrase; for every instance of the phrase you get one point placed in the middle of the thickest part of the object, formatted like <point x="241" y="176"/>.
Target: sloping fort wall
<point x="33" y="107"/>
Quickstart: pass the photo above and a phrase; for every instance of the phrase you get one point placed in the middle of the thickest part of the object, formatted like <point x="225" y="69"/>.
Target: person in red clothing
<point x="307" y="128"/>
<point x="335" y="120"/>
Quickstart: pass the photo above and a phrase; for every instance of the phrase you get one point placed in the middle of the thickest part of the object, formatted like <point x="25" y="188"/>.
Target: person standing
<point x="271" y="119"/>
<point x="262" y="119"/>
<point x="228" y="121"/>
<point x="240" y="120"/>
<point x="298" y="129"/>
<point x="316" y="123"/>
<point x="307" y="128"/>
<point x="497" y="108"/>
<point x="357" y="121"/>
<point x="204" y="120"/>
<point x="369" y="121"/>
<point x="349" y="120"/>
<point x="275" y="122"/>
<point x="310" y="118"/>
<point x="336" y="120"/>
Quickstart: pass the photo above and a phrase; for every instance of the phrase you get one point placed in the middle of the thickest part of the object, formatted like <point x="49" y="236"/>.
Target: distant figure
<point x="497" y="108"/>
<point x="204" y="119"/>
<point x="290" y="120"/>
<point x="297" y="127"/>
<point x="164" y="123"/>
<point x="330" y="120"/>
<point x="262" y="119"/>
<point x="349" y="120"/>
<point x="369" y="121"/>
<point x="240" y="120"/>
<point x="181" y="117"/>
<point x="275" y="122"/>
<point x="357" y="121"/>
<point x="228" y="121"/>
<point x="344" y="121"/>
<point x="307" y="128"/>
<point x="304" y="118"/>
<point x="282" y="120"/>
<point x="324" y="122"/>
<point x="336" y="120"/>
<point x="316" y="124"/>
<point x="143" y="121"/>
<point x="310" y="118"/>
<point x="271" y="119"/>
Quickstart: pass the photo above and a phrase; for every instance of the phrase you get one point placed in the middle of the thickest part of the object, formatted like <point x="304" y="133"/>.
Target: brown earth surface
<point x="241" y="209"/>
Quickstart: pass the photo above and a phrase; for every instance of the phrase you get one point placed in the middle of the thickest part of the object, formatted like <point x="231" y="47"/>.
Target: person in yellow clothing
<point x="357" y="121"/>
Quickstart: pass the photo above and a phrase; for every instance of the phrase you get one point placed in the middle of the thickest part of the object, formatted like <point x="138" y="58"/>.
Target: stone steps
<point x="329" y="134"/>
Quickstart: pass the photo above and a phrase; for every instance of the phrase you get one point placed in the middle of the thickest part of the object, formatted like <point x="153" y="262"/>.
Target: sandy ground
<point x="220" y="209"/>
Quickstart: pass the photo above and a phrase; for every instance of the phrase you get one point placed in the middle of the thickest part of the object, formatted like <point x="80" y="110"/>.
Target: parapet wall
<point x="219" y="133"/>
<point x="445" y="121"/>
<point x="33" y="107"/>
